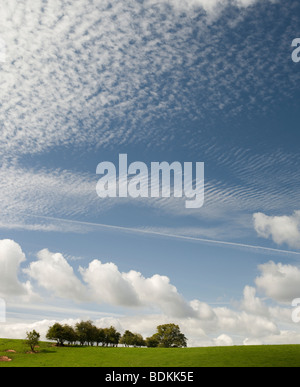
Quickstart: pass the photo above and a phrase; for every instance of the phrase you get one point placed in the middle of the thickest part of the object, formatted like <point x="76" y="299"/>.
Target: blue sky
<point x="200" y="81"/>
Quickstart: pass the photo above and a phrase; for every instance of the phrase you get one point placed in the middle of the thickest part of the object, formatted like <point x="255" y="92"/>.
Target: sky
<point x="209" y="81"/>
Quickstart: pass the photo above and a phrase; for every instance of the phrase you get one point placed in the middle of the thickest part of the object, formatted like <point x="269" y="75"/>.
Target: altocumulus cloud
<point x="79" y="66"/>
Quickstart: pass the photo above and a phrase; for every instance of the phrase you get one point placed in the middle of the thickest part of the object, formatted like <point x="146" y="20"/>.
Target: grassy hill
<point x="49" y="356"/>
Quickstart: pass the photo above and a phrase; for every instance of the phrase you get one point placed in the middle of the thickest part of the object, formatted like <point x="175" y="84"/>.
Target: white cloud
<point x="18" y="330"/>
<point x="158" y="291"/>
<point x="252" y="322"/>
<point x="253" y="304"/>
<point x="104" y="283"/>
<point x="38" y="200"/>
<point x="223" y="341"/>
<point x="192" y="327"/>
<point x="282" y="229"/>
<point x="73" y="68"/>
<point x="45" y="192"/>
<point x="203" y="310"/>
<point x="107" y="284"/>
<point x="279" y="282"/>
<point x="11" y="257"/>
<point x="243" y="323"/>
<point x="212" y="7"/>
<point x="283" y="338"/>
<point x="53" y="273"/>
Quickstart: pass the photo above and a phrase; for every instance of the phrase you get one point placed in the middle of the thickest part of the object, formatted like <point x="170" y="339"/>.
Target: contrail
<point x="168" y="235"/>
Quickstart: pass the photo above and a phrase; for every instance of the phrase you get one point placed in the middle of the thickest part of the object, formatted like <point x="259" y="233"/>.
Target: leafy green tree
<point x="138" y="340"/>
<point x="169" y="335"/>
<point x="134" y="339"/>
<point x="127" y="339"/>
<point x="152" y="342"/>
<point x="32" y="339"/>
<point x="69" y="334"/>
<point x="93" y="335"/>
<point x="99" y="336"/>
<point x="56" y="332"/>
<point x="112" y="337"/>
<point x="85" y="332"/>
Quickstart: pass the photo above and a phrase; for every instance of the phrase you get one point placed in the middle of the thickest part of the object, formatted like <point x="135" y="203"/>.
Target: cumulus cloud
<point x="108" y="285"/>
<point x="284" y="337"/>
<point x="253" y="304"/>
<point x="223" y="341"/>
<point x="103" y="283"/>
<point x="281" y="229"/>
<point x="243" y="323"/>
<point x="53" y="273"/>
<point x="158" y="291"/>
<point x="204" y="311"/>
<point x="11" y="257"/>
<point x="279" y="282"/>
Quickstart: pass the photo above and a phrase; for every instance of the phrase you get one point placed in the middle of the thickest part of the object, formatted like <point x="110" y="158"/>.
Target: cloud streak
<point x="170" y="235"/>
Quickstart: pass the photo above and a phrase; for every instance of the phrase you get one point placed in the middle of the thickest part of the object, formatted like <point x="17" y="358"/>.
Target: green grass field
<point x="49" y="356"/>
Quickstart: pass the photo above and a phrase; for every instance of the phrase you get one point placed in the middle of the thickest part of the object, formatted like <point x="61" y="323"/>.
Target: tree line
<point x="85" y="333"/>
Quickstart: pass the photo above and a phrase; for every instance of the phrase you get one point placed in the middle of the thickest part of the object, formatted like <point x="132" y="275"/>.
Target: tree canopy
<point x="32" y="339"/>
<point x="167" y="336"/>
<point x="85" y="332"/>
<point x="132" y="339"/>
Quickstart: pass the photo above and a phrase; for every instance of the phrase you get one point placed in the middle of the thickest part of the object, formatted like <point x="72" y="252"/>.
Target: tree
<point x="134" y="339"/>
<point x="169" y="335"/>
<point x="138" y="340"/>
<point x="57" y="332"/>
<point x="152" y="342"/>
<point x="127" y="339"/>
<point x="100" y="336"/>
<point x="94" y="335"/>
<point x="69" y="334"/>
<point x="86" y="332"/>
<point x="32" y="339"/>
<point x="112" y="337"/>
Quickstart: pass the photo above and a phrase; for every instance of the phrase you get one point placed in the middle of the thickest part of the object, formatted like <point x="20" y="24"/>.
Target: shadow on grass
<point x="47" y="351"/>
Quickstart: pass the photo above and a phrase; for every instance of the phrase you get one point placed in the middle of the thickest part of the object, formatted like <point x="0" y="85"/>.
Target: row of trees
<point x="86" y="333"/>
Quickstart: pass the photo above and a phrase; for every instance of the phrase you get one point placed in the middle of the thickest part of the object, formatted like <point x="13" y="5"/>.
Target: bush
<point x="32" y="339"/>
